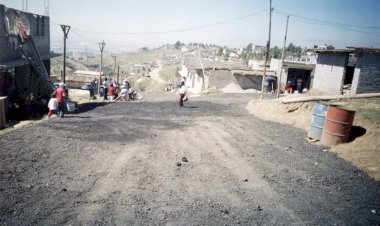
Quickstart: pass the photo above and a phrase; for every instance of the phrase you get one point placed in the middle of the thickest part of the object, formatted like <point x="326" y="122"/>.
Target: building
<point x="293" y="69"/>
<point x="348" y="71"/>
<point x="25" y="61"/>
<point x="335" y="71"/>
<point x="200" y="77"/>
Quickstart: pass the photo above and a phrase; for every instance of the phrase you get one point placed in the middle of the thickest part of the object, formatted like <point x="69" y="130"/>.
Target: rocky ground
<point x="149" y="162"/>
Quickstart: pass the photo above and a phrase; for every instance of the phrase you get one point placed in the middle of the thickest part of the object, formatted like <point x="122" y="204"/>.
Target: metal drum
<point x="337" y="126"/>
<point x="317" y="120"/>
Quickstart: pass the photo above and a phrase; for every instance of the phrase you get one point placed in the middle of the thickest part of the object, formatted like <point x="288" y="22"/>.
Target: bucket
<point x="317" y="120"/>
<point x="337" y="126"/>
<point x="70" y="106"/>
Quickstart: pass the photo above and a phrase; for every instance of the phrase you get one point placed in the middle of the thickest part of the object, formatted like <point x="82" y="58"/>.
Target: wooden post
<point x="3" y="100"/>
<point x="101" y="46"/>
<point x="118" y="70"/>
<point x="65" y="30"/>
<point x="282" y="59"/>
<point x="268" y="50"/>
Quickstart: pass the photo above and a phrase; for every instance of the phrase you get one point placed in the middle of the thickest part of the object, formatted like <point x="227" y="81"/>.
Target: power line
<point x="174" y="31"/>
<point x="325" y="22"/>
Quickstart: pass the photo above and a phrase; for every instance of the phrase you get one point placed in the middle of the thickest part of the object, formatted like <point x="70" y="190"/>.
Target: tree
<point x="220" y="51"/>
<point x="250" y="47"/>
<point x="275" y="52"/>
<point x="226" y="56"/>
<point x="178" y="45"/>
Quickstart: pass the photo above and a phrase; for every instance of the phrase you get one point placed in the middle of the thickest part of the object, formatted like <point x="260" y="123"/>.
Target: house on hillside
<point x="25" y="61"/>
<point x="200" y="77"/>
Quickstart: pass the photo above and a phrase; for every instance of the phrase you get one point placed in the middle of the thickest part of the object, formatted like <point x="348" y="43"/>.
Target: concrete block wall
<point x="369" y="77"/>
<point x="329" y="72"/>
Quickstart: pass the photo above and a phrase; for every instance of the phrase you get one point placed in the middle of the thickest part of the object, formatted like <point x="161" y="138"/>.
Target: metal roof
<point x="22" y="61"/>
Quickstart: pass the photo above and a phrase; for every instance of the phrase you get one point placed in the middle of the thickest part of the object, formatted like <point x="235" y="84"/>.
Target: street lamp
<point x="101" y="46"/>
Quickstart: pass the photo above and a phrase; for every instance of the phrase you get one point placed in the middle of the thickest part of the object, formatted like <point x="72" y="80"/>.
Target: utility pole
<point x="101" y="46"/>
<point x="65" y="30"/>
<point x="268" y="49"/>
<point x="118" y="69"/>
<point x="114" y="57"/>
<point x="282" y="59"/>
<point x="47" y="6"/>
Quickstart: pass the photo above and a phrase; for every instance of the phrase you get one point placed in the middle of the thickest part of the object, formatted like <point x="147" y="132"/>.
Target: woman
<point x="182" y="94"/>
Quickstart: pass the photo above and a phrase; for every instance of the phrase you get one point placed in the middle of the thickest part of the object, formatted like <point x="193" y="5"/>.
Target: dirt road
<point x="123" y="163"/>
<point x="155" y="74"/>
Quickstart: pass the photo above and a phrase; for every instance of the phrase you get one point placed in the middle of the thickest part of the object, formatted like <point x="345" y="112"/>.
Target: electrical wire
<point x="173" y="31"/>
<point x="325" y="22"/>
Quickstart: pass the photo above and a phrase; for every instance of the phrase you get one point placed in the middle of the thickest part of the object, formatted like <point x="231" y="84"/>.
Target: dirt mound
<point x="362" y="152"/>
<point x="235" y="88"/>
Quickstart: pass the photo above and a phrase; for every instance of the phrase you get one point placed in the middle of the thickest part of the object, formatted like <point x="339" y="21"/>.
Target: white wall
<point x="355" y="81"/>
<point x="328" y="78"/>
<point x="329" y="71"/>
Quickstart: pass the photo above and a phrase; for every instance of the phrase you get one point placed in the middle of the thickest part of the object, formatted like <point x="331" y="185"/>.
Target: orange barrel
<point x="337" y="125"/>
<point x="317" y="120"/>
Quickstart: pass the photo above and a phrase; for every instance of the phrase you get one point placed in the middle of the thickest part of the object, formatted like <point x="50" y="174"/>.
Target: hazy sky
<point x="129" y="24"/>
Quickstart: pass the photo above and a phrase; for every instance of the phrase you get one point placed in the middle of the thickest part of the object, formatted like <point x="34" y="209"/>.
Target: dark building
<point x="24" y="61"/>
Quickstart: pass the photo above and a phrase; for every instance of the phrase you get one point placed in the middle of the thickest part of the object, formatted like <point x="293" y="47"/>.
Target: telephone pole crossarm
<point x="65" y="30"/>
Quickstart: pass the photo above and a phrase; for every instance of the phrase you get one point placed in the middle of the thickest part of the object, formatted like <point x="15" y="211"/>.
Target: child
<point x="52" y="105"/>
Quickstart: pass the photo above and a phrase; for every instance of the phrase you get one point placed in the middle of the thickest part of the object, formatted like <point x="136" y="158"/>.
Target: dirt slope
<point x="363" y="152"/>
<point x="118" y="163"/>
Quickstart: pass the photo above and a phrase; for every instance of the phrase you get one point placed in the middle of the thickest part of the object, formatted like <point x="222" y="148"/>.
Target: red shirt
<point x="60" y="94"/>
<point x="112" y="91"/>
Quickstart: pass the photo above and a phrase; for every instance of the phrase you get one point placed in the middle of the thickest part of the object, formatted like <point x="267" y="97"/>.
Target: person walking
<point x="60" y="94"/>
<point x="182" y="94"/>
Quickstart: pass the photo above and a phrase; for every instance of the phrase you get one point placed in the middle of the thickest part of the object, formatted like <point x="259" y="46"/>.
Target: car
<point x="87" y="86"/>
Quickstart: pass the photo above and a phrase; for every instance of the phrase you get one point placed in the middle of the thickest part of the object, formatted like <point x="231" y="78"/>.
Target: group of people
<point x="290" y="88"/>
<point x="126" y="92"/>
<point x="114" y="91"/>
<point x="56" y="104"/>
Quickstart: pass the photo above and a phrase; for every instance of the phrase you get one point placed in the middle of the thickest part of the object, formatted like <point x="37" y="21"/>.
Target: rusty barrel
<point x="337" y="125"/>
<point x="317" y="120"/>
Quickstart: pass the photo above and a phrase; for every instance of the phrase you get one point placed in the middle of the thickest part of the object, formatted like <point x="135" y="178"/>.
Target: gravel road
<point x="149" y="162"/>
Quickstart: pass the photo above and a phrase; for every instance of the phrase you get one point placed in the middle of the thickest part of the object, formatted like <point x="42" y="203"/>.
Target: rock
<point x="373" y="211"/>
<point x="225" y="211"/>
<point x="64" y="189"/>
<point x="259" y="208"/>
<point x="246" y="180"/>
<point x="184" y="159"/>
<point x="178" y="164"/>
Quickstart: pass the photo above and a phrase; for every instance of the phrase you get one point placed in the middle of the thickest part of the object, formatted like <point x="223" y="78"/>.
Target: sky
<point x="130" y="24"/>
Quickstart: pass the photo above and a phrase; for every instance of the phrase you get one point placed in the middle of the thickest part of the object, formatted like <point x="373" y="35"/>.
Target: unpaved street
<point x="122" y="163"/>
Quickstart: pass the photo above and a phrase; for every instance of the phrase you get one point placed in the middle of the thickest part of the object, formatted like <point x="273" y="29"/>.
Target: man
<point x="299" y="85"/>
<point x="60" y="94"/>
<point x="106" y="85"/>
<point x="182" y="94"/>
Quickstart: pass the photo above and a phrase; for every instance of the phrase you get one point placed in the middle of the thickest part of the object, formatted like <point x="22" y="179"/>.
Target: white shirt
<point x="183" y="90"/>
<point x="53" y="104"/>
